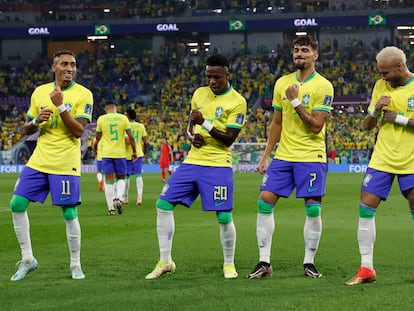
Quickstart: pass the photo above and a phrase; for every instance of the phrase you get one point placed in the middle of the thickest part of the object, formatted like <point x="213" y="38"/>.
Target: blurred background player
<point x="111" y="128"/>
<point x="98" y="163"/>
<point x="302" y="102"/>
<point x="61" y="110"/>
<point x="391" y="107"/>
<point x="166" y="158"/>
<point x="134" y="168"/>
<point x="218" y="114"/>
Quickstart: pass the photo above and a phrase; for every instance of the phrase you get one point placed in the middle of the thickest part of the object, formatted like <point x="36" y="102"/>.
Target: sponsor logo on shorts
<point x="217" y="204"/>
<point x="312" y="189"/>
<point x="64" y="198"/>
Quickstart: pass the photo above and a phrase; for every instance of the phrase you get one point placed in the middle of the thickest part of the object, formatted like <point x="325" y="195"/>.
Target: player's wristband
<point x="401" y="120"/>
<point x="207" y="125"/>
<point x="61" y="108"/>
<point x="375" y="113"/>
<point x="295" y="103"/>
<point x="34" y="122"/>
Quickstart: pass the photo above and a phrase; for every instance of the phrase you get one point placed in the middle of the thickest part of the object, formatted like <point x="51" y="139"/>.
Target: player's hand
<point x="197" y="141"/>
<point x="196" y="116"/>
<point x="389" y="116"/>
<point x="382" y="102"/>
<point x="57" y="96"/>
<point x="292" y="92"/>
<point x="134" y="156"/>
<point x="262" y="166"/>
<point x="44" y="115"/>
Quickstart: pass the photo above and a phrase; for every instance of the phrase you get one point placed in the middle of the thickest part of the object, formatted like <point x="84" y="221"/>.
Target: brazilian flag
<point x="237" y="24"/>
<point x="102" y="29"/>
<point x="377" y="19"/>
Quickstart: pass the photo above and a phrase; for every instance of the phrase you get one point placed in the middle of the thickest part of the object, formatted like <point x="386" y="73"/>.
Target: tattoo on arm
<point x="304" y="116"/>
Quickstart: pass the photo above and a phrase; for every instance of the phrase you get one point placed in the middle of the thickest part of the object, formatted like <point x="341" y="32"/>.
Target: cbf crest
<point x="306" y="100"/>
<point x="219" y="112"/>
<point x="410" y="105"/>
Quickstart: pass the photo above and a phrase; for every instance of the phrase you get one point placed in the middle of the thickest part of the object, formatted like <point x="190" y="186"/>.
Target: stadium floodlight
<point x="207" y="43"/>
<point x="106" y="10"/>
<point x="192" y="44"/>
<point x="301" y="33"/>
<point x="93" y="38"/>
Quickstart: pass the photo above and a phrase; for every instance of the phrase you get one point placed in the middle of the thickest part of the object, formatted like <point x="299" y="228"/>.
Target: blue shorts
<point x="117" y="166"/>
<point x="99" y="166"/>
<point x="213" y="184"/>
<point x="135" y="168"/>
<point x="309" y="178"/>
<point x="35" y="186"/>
<point x="379" y="182"/>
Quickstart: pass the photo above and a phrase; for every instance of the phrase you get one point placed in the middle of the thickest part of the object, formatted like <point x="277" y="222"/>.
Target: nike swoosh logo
<point x="64" y="198"/>
<point x="218" y="204"/>
<point x="312" y="189"/>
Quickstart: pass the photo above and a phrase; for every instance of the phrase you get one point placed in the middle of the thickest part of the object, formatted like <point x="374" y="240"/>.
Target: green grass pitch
<point x="117" y="253"/>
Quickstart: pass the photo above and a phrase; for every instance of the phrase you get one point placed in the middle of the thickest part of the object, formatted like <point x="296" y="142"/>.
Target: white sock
<point x="265" y="226"/>
<point x="312" y="231"/>
<point x="127" y="186"/>
<point x="120" y="188"/>
<point x="228" y="242"/>
<point x="165" y="232"/>
<point x="140" y="187"/>
<point x="366" y="240"/>
<point x="109" y="195"/>
<point x="22" y="230"/>
<point x="73" y="234"/>
<point x="99" y="176"/>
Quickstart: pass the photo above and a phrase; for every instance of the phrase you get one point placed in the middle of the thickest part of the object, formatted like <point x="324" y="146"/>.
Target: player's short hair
<point x="63" y="52"/>
<point x="218" y="60"/>
<point x="109" y="102"/>
<point x="391" y="53"/>
<point x="131" y="114"/>
<point x="306" y="40"/>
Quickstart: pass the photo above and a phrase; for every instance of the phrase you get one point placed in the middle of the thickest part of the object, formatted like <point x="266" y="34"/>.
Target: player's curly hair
<point x="306" y="40"/>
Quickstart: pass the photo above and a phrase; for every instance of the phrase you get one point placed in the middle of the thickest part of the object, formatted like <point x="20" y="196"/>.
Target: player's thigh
<point x="216" y="188"/>
<point x="278" y="178"/>
<point x="181" y="187"/>
<point x="406" y="183"/>
<point x="137" y="166"/>
<point x="32" y="185"/>
<point x="65" y="189"/>
<point x="377" y="182"/>
<point x="310" y="179"/>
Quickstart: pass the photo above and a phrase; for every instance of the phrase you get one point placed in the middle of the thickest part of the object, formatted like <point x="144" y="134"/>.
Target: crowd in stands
<point x="160" y="90"/>
<point x="73" y="10"/>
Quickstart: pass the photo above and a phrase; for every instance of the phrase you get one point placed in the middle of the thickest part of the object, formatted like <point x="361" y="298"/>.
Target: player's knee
<point x="313" y="209"/>
<point x="69" y="212"/>
<point x="224" y="218"/>
<point x="164" y="205"/>
<point x="264" y="207"/>
<point x="366" y="211"/>
<point x="18" y="204"/>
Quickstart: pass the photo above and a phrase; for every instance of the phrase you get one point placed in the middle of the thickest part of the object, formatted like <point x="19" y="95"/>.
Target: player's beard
<point x="396" y="82"/>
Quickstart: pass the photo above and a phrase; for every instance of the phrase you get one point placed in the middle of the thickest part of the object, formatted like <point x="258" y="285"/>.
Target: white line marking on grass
<point x="4" y="209"/>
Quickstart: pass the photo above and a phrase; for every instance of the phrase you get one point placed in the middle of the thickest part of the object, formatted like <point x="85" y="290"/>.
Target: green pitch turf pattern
<point x="117" y="253"/>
